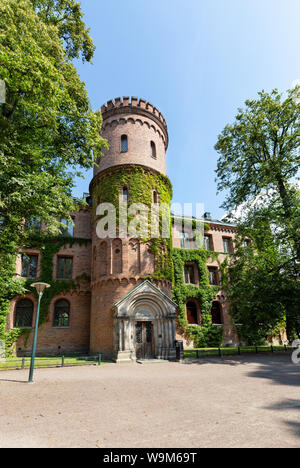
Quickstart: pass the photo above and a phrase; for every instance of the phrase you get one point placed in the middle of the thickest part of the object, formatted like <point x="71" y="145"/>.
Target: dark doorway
<point x="144" y="340"/>
<point x="191" y="313"/>
<point x="216" y="313"/>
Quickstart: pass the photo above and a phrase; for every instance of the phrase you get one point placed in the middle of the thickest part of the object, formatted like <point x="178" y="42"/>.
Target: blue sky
<point x="197" y="61"/>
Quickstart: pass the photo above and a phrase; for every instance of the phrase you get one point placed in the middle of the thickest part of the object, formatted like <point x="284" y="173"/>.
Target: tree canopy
<point x="48" y="130"/>
<point x="258" y="168"/>
<point x="47" y="126"/>
<point x="259" y="154"/>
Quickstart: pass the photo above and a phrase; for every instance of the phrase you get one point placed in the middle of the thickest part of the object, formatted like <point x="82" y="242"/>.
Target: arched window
<point x="191" y="313"/>
<point x="124" y="143"/>
<point x="216" y="313"/>
<point x="24" y="314"/>
<point x="155" y="197"/>
<point x="61" y="313"/>
<point x="153" y="149"/>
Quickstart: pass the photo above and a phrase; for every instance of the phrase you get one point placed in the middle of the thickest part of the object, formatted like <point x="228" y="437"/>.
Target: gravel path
<point x="241" y="402"/>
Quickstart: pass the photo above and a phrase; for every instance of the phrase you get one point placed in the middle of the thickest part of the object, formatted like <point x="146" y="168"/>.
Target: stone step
<point x="151" y="361"/>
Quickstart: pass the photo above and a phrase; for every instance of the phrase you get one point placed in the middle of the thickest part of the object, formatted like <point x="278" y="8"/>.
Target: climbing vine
<point x="141" y="182"/>
<point x="205" y="335"/>
<point x="48" y="247"/>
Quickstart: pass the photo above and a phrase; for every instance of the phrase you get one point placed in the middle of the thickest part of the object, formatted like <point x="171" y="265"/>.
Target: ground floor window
<point x="23" y="314"/>
<point x="61" y="313"/>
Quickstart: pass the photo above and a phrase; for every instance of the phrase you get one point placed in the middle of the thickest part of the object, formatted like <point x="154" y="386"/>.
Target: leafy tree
<point x="261" y="282"/>
<point x="258" y="163"/>
<point x="66" y="15"/>
<point x="47" y="127"/>
<point x="260" y="155"/>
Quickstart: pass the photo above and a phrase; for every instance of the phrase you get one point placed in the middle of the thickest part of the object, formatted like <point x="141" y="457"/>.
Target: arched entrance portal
<point x="144" y="325"/>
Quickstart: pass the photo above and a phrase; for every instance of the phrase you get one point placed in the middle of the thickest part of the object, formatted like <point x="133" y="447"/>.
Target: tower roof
<point x="127" y="105"/>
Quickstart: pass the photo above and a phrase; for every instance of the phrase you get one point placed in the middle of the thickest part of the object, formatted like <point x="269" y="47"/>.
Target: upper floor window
<point x="207" y="244"/>
<point x="155" y="197"/>
<point x="125" y="194"/>
<point x="64" y="268"/>
<point x="29" y="265"/>
<point x="153" y="149"/>
<point x="246" y="242"/>
<point x="184" y="240"/>
<point x="2" y="221"/>
<point x="61" y="313"/>
<point x="124" y="143"/>
<point x="213" y="275"/>
<point x="34" y="224"/>
<point x="226" y="244"/>
<point x="189" y="274"/>
<point x="23" y="314"/>
<point x="67" y="228"/>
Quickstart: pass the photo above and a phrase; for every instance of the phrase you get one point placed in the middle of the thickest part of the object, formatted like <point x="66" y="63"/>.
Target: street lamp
<point x="40" y="287"/>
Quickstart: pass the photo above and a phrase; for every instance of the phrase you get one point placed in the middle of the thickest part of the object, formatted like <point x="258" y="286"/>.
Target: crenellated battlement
<point x="127" y="104"/>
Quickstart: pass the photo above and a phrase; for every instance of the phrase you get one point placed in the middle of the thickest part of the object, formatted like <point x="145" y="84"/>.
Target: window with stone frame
<point x="23" y="314"/>
<point x="227" y="245"/>
<point x="64" y="268"/>
<point x="190" y="273"/>
<point x="124" y="143"/>
<point x="29" y="265"/>
<point x="61" y="314"/>
<point x="213" y="275"/>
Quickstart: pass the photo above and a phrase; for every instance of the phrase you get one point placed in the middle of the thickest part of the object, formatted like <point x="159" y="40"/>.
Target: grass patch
<point x="234" y="351"/>
<point x="55" y="361"/>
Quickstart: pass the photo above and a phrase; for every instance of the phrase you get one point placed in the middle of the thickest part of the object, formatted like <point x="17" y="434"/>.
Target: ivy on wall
<point x="141" y="182"/>
<point x="206" y="335"/>
<point x="48" y="247"/>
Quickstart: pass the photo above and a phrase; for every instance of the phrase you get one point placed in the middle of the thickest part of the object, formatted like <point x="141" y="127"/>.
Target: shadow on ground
<point x="278" y="369"/>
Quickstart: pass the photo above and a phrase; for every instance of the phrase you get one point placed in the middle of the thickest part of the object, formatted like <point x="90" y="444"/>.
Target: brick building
<point x="115" y="295"/>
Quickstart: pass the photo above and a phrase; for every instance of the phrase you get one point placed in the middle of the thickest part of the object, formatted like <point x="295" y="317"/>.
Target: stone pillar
<point x="124" y="353"/>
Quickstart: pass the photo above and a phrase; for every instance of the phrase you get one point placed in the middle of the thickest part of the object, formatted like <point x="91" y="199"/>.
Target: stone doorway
<point x="144" y="325"/>
<point x="144" y="340"/>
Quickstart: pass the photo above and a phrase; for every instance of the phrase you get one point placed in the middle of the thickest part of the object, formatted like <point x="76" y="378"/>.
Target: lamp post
<point x="40" y="287"/>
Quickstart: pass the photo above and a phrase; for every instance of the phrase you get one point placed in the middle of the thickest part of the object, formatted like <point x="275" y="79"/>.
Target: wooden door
<point x="144" y="340"/>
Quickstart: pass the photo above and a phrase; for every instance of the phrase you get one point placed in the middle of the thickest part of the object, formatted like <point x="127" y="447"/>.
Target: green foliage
<point x="48" y="246"/>
<point x="47" y="126"/>
<point x="260" y="156"/>
<point x="66" y="15"/>
<point x="206" y="334"/>
<point x="262" y="291"/>
<point x="140" y="183"/>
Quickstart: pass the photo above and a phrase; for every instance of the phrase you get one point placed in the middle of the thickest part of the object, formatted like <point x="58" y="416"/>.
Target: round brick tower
<point x="132" y="315"/>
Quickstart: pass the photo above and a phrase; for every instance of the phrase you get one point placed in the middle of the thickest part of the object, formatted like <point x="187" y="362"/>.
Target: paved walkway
<point x="241" y="402"/>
